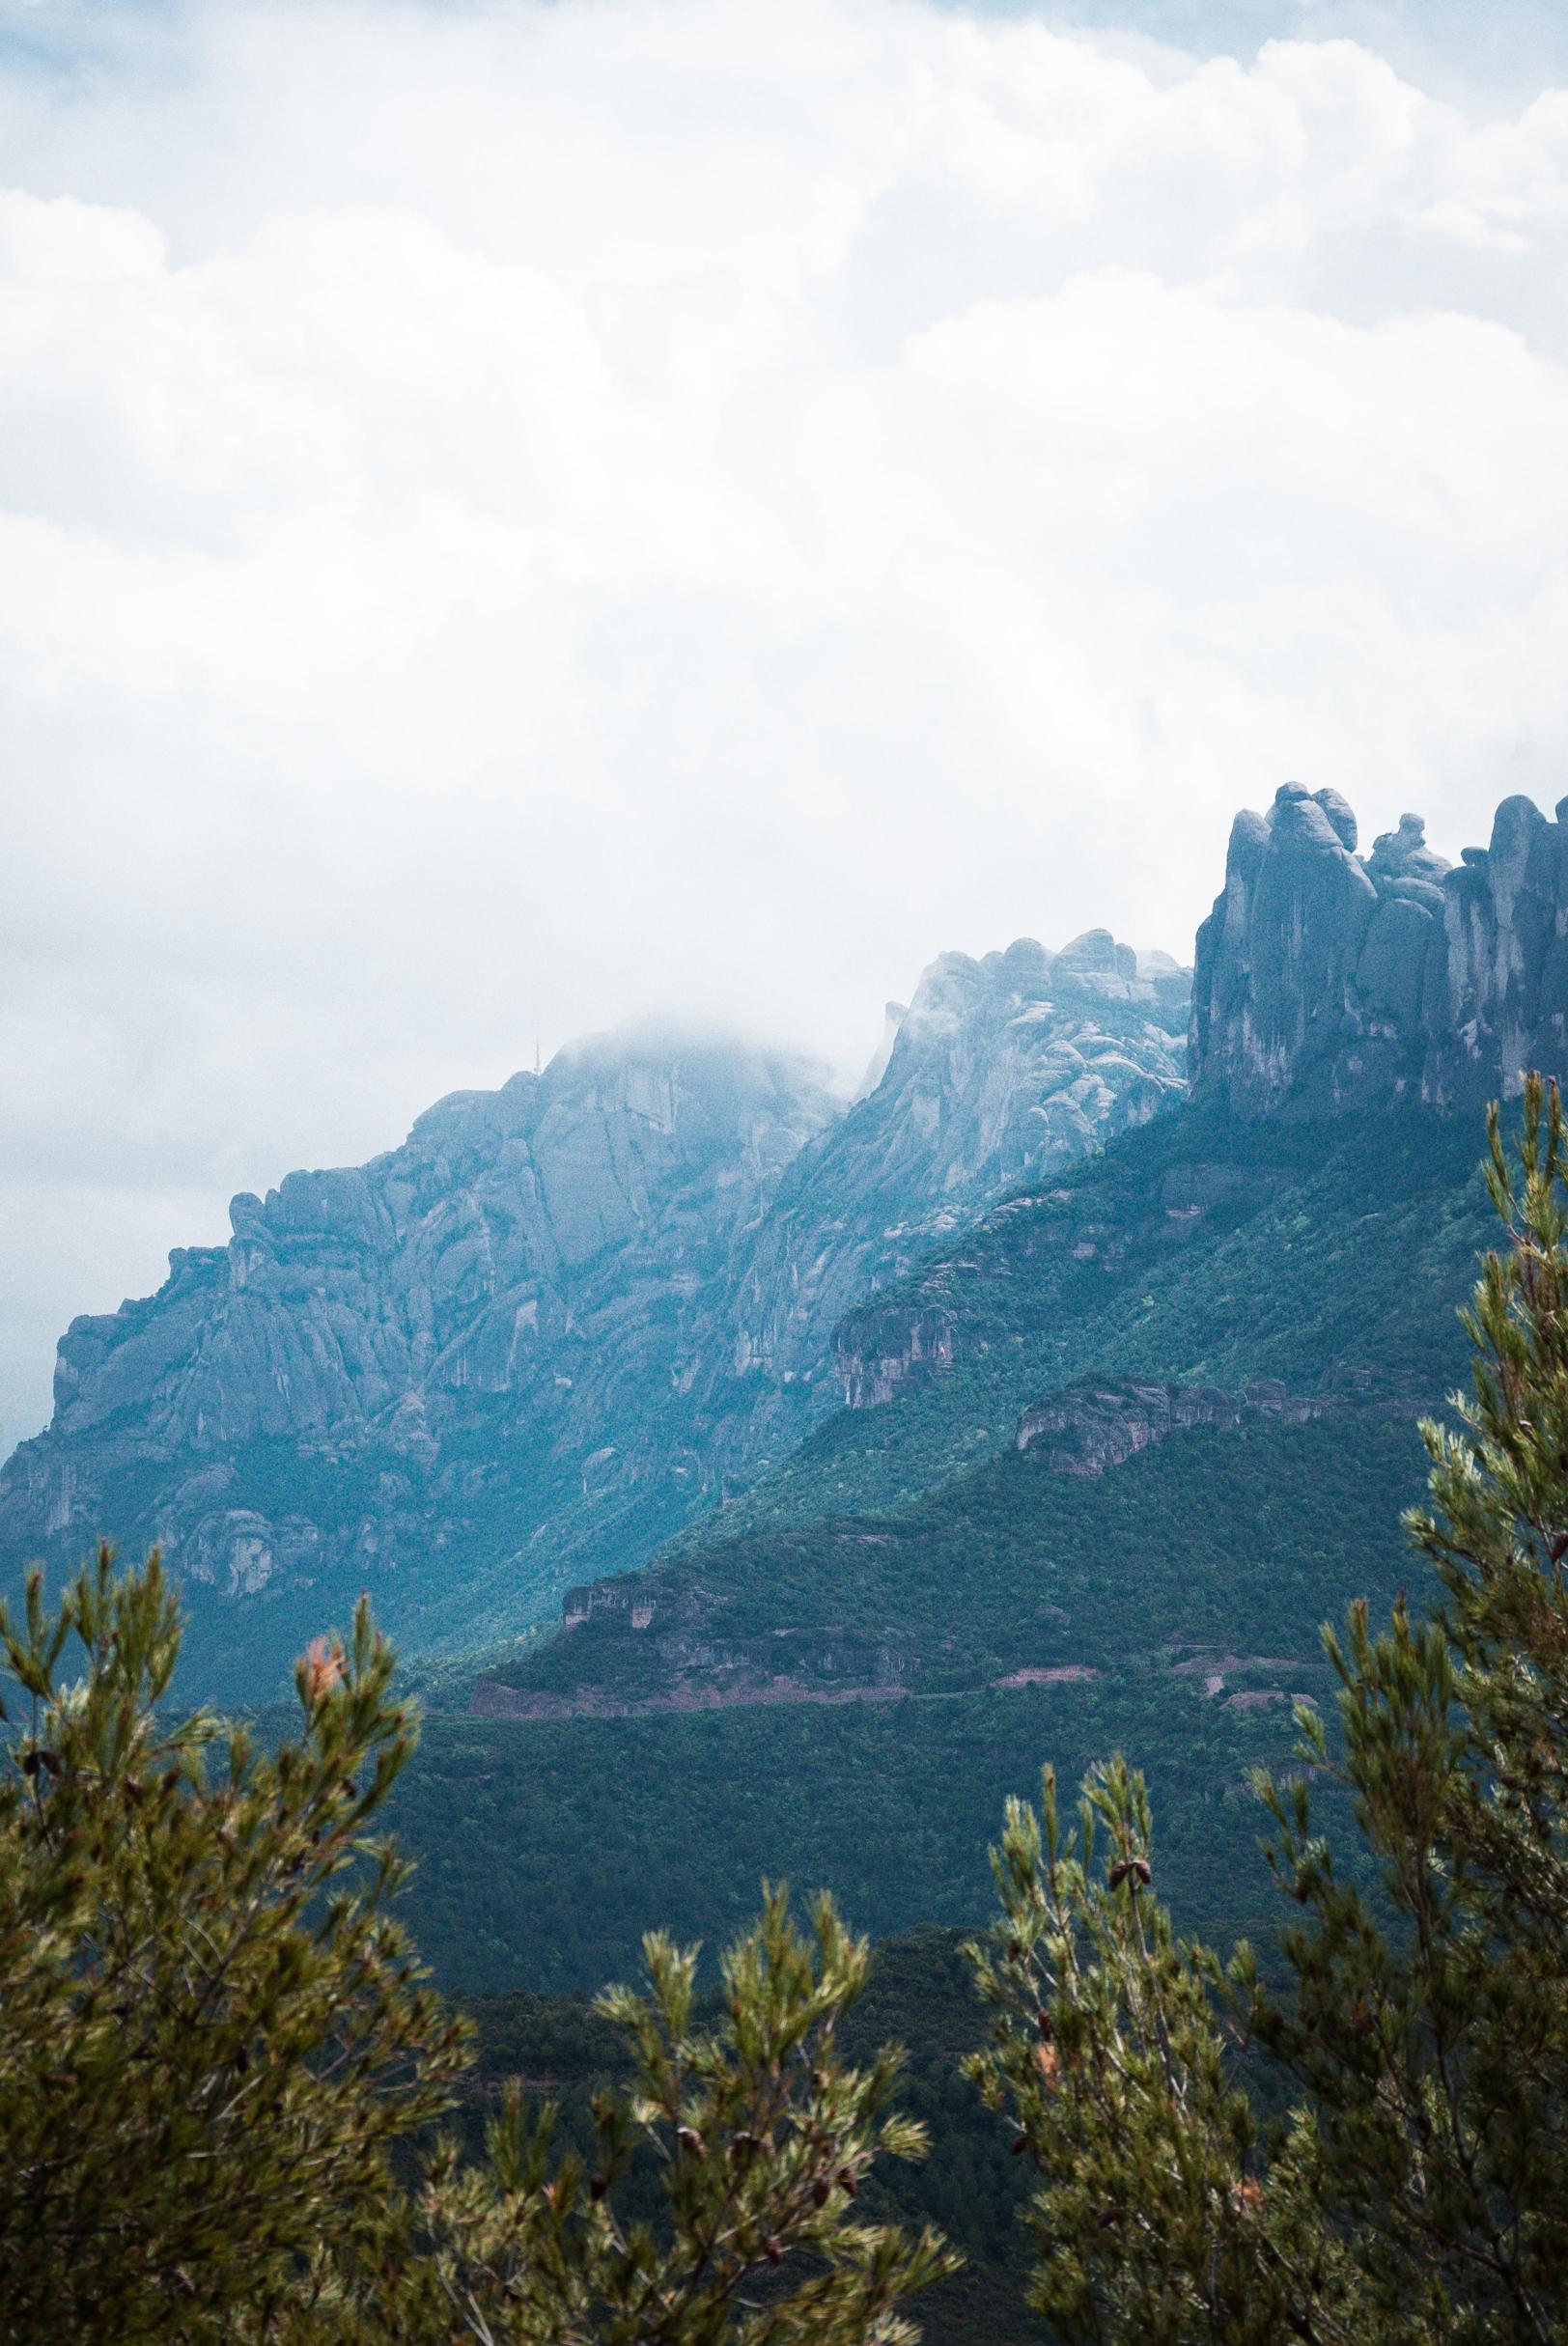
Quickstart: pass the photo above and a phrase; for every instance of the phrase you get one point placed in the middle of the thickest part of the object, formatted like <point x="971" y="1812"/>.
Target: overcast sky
<point x="516" y="517"/>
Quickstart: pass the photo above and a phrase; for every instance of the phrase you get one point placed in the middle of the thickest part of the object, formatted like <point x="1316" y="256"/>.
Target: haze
<point x="517" y="519"/>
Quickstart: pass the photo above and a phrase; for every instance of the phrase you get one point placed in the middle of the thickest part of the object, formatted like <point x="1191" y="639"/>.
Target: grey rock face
<point x="1325" y="983"/>
<point x="1403" y="854"/>
<point x="453" y="1267"/>
<point x="440" y="1362"/>
<point x="564" y="1316"/>
<point x="1103" y="1421"/>
<point x="1000" y="1070"/>
<point x="892" y="1351"/>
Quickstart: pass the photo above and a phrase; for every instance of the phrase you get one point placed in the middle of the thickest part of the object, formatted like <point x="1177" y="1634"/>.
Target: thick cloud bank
<point x="513" y="518"/>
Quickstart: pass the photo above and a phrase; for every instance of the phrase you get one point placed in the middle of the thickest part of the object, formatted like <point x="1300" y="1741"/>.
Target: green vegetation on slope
<point x="1230" y="1540"/>
<point x="939" y="1560"/>
<point x="1199" y="1247"/>
<point x="1408" y="2021"/>
<point x="548" y="1848"/>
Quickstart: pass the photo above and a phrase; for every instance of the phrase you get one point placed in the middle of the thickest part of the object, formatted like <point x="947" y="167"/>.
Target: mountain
<point x="1061" y="1443"/>
<point x="1106" y="1458"/>
<point x="564" y="1318"/>
<point x="1032" y="1449"/>
<point x="1326" y="982"/>
<point x="1001" y="1071"/>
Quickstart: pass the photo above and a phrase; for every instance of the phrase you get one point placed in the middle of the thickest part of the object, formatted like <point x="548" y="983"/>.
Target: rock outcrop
<point x="564" y="1317"/>
<point x="1102" y="1422"/>
<point x="1326" y="982"/>
<point x="893" y="1350"/>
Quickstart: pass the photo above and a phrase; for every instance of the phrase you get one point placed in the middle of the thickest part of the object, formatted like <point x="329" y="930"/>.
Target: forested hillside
<point x="846" y="1698"/>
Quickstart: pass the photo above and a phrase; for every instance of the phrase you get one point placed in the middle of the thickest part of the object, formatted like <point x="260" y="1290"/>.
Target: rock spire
<point x="1327" y="982"/>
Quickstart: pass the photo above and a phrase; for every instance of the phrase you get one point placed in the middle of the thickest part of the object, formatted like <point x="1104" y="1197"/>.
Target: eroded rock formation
<point x="1000" y="1070"/>
<point x="1327" y="982"/>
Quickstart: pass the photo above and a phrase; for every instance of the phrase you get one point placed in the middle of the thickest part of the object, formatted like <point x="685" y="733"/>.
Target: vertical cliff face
<point x="468" y="1262"/>
<point x="1326" y="982"/>
<point x="564" y="1315"/>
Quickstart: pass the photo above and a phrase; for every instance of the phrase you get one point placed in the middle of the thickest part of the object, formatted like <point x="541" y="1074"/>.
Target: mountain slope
<point x="845" y="1686"/>
<point x="1106" y="1460"/>
<point x="563" y="1319"/>
<point x="1141" y="1399"/>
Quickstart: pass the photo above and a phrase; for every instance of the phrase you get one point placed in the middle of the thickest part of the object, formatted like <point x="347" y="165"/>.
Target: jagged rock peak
<point x="894" y="1014"/>
<point x="1325" y="982"/>
<point x="1093" y="964"/>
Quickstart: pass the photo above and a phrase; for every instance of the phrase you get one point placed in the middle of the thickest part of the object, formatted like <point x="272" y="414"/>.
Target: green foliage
<point x="1199" y="1246"/>
<point x="764" y="2136"/>
<point x="919" y="1993"/>
<point x="1111" y="2058"/>
<point x="220" y="2069"/>
<point x="219" y="2064"/>
<point x="1437" y="2054"/>
<point x="1418" y="2189"/>
<point x="912" y="1547"/>
<point x="212" y="2035"/>
<point x="1234" y="1540"/>
<point x="548" y="1848"/>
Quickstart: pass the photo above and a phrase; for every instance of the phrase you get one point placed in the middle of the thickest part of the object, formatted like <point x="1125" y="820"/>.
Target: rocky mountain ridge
<point x="566" y="1316"/>
<point x="1326" y="983"/>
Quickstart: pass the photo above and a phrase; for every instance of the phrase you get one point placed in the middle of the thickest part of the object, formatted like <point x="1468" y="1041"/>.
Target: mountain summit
<point x="1327" y="982"/>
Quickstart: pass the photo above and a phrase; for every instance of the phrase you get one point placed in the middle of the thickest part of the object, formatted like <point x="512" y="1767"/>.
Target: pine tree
<point x="211" y="2034"/>
<point x="1419" y="2188"/>
<point x="1436" y="2053"/>
<point x="1161" y="2217"/>
<point x="764" y="2137"/>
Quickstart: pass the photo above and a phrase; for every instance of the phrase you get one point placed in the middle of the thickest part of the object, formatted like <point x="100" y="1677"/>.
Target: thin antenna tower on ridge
<point x="537" y="1068"/>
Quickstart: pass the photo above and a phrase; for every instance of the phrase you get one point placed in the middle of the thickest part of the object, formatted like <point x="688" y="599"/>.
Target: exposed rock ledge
<point x="893" y="1350"/>
<point x="1103" y="1421"/>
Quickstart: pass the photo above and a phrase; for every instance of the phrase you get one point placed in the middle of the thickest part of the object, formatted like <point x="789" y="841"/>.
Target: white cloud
<point x="512" y="518"/>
